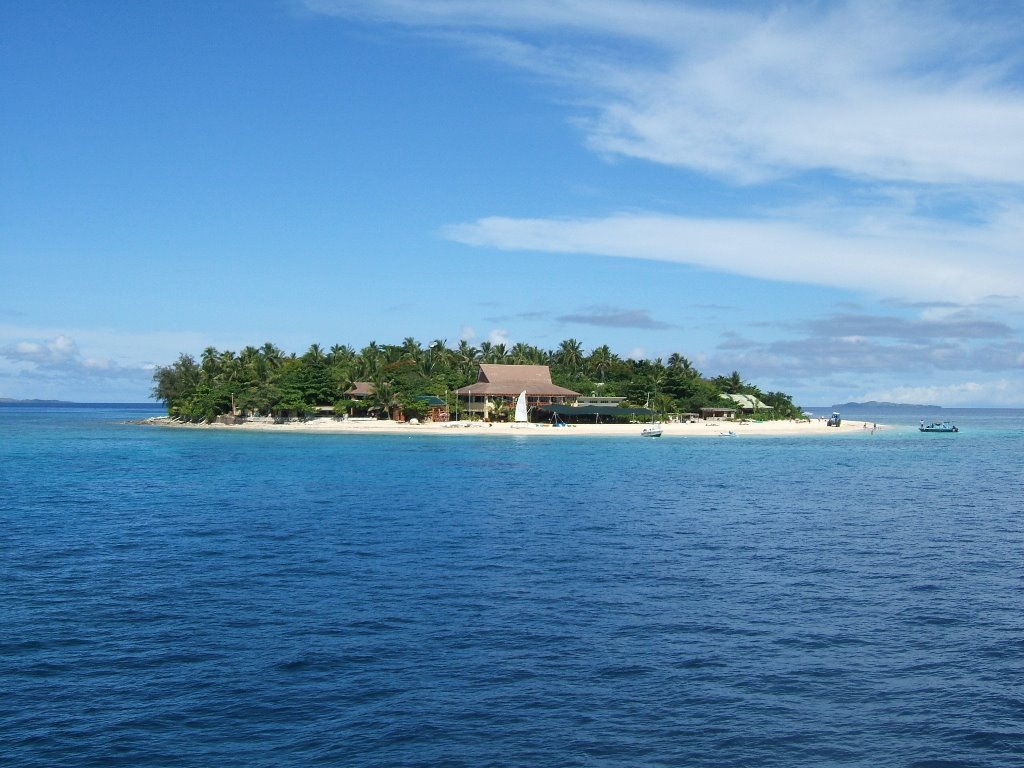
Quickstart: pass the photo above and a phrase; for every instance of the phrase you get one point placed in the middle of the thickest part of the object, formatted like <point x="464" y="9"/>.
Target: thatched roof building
<point x="505" y="382"/>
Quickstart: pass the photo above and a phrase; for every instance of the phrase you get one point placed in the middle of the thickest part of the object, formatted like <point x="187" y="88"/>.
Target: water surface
<point x="191" y="598"/>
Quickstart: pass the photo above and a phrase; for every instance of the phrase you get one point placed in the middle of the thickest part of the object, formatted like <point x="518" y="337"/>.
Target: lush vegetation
<point x="265" y="380"/>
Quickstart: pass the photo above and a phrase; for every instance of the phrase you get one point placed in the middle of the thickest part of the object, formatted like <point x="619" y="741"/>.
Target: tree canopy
<point x="266" y="380"/>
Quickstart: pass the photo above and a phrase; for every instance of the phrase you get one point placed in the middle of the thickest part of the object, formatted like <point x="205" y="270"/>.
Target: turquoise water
<point x="187" y="598"/>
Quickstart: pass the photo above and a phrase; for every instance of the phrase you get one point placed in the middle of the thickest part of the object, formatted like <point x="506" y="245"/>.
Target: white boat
<point x="654" y="430"/>
<point x="938" y="426"/>
<point x="522" y="419"/>
<point x="521" y="415"/>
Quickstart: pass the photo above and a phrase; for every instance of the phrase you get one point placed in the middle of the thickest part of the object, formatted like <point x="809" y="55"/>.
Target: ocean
<point x="198" y="598"/>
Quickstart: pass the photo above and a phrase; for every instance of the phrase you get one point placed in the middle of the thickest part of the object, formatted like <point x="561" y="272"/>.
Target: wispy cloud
<point x="884" y="253"/>
<point x="916" y="108"/>
<point x="610" y="317"/>
<point x="527" y="316"/>
<point x="865" y="346"/>
<point x="962" y="325"/>
<point x="906" y="92"/>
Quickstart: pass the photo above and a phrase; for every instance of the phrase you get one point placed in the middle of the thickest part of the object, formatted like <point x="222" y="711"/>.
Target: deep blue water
<point x="198" y="598"/>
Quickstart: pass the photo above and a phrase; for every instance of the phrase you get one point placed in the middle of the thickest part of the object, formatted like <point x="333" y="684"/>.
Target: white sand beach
<point x="709" y="428"/>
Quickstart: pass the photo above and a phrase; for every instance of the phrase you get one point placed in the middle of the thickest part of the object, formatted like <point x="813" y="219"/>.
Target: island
<point x="465" y="389"/>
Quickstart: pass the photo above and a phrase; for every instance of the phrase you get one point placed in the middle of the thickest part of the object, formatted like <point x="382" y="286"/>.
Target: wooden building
<point x="504" y="383"/>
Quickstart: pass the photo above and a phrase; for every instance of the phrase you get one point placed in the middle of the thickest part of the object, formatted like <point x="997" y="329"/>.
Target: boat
<point x="654" y="428"/>
<point x="937" y="426"/>
<point x="522" y="419"/>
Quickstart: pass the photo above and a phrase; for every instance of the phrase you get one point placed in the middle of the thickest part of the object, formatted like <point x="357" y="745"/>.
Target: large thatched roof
<point x="513" y="379"/>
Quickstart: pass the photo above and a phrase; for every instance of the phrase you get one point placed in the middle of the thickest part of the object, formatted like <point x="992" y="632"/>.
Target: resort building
<point x="747" y="403"/>
<point x="360" y="390"/>
<point x="502" y="384"/>
<point x="599" y="400"/>
<point x="437" y="409"/>
<point x="717" y="413"/>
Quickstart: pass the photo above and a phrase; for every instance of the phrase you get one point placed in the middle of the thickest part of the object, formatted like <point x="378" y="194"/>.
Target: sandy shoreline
<point x="696" y="429"/>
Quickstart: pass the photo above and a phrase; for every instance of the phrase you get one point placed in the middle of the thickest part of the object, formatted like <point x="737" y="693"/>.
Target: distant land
<point x="878" y="404"/>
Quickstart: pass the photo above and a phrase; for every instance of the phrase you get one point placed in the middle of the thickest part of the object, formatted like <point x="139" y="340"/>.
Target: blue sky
<point x="827" y="197"/>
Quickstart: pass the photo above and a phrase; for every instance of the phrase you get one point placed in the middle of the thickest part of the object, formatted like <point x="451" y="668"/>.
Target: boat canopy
<point x="611" y="411"/>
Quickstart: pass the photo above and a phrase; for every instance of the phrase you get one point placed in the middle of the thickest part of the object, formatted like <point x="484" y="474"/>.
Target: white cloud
<point x="55" y="351"/>
<point x="86" y="364"/>
<point x="888" y="255"/>
<point x="919" y="103"/>
<point x="922" y="93"/>
<point x="498" y="336"/>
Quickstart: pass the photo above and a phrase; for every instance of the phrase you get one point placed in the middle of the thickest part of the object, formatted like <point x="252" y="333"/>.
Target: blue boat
<point x="937" y="426"/>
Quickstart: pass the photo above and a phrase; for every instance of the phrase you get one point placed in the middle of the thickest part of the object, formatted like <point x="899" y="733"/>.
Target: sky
<point x="827" y="197"/>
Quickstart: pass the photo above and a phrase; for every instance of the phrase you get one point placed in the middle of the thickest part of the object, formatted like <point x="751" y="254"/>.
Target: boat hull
<point x="944" y="426"/>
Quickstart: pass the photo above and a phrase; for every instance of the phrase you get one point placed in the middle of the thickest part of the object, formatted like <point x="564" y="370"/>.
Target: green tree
<point x="600" y="361"/>
<point x="385" y="398"/>
<point x="570" y="355"/>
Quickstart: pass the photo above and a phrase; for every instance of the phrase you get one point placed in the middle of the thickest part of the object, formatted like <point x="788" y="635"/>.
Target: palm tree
<point x="522" y="353"/>
<point x="679" y="364"/>
<point x="411" y="349"/>
<point x="601" y="360"/>
<point x="499" y="354"/>
<point x="339" y="353"/>
<point x="369" y="361"/>
<point x="437" y="356"/>
<point x="570" y="354"/>
<point x="468" y="356"/>
<point x="272" y="356"/>
<point x="662" y="404"/>
<point x="315" y="354"/>
<point x="734" y="383"/>
<point x="385" y="397"/>
<point x="210" y="363"/>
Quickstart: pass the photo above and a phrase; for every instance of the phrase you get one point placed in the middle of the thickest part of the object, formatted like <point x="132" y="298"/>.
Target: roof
<point x="432" y="400"/>
<point x="595" y="410"/>
<point x="360" y="389"/>
<point x="513" y="379"/>
<point x="747" y="401"/>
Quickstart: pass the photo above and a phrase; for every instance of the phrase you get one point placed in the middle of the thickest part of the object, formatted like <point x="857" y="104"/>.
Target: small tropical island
<point x="384" y="386"/>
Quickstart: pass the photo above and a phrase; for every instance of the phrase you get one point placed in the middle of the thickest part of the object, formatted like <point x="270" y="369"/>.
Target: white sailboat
<point x="521" y="408"/>
<point x="521" y="414"/>
<point x="654" y="428"/>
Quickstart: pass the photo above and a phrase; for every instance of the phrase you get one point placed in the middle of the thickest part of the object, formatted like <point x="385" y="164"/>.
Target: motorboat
<point x="938" y="426"/>
<point x="654" y="430"/>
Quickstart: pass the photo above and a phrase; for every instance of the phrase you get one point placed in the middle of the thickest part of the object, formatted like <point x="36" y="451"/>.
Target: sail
<point x="521" y="407"/>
